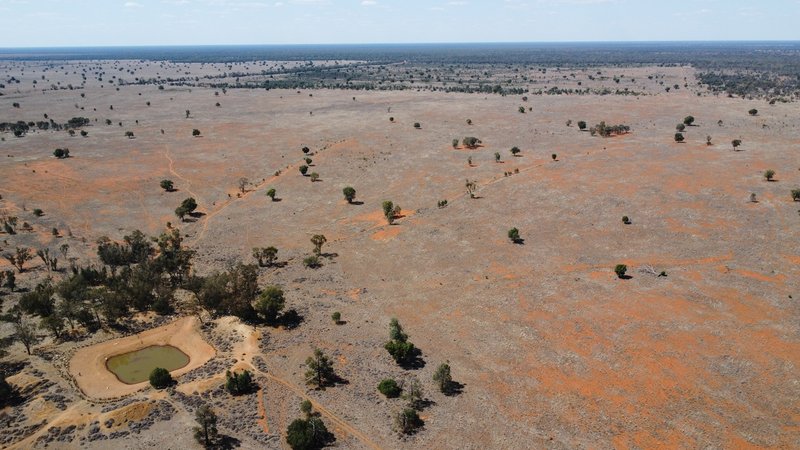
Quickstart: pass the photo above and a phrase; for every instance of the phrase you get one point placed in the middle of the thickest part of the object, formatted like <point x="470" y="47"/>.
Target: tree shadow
<point x="329" y="255"/>
<point x="624" y="277"/>
<point x="519" y="241"/>
<point x="357" y="203"/>
<point x="291" y="319"/>
<point x="225" y="442"/>
<point x="277" y="199"/>
<point x="414" y="362"/>
<point x="455" y="388"/>
<point x="197" y="214"/>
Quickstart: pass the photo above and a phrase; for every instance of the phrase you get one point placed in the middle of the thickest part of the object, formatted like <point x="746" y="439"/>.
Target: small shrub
<point x="417" y="125"/>
<point x="515" y="151"/>
<point x="312" y="261"/>
<point x="581" y="125"/>
<point x="796" y="194"/>
<point x="303" y="169"/>
<point x="314" y="176"/>
<point x="349" y="194"/>
<point x="626" y="220"/>
<point x="554" y="156"/>
<point x="753" y="112"/>
<point x="271" y="193"/>
<point x="769" y="174"/>
<point x="38" y="212"/>
<point x="679" y="137"/>
<point x="389" y="388"/>
<point x="688" y="120"/>
<point x="167" y="185"/>
<point x="620" y="270"/>
<point x="680" y="127"/>
<point x="336" y="317"/>
<point x="513" y="234"/>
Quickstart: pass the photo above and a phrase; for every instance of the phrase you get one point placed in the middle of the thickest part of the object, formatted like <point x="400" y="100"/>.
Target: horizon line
<point x="105" y="46"/>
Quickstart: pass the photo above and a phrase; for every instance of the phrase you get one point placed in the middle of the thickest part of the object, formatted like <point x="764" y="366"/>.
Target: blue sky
<point x="31" y="23"/>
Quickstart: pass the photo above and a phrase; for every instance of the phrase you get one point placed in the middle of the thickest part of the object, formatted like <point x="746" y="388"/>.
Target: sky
<point x="57" y="23"/>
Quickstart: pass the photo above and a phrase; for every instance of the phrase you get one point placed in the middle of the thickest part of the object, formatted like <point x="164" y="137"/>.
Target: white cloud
<point x="133" y="5"/>
<point x="369" y="3"/>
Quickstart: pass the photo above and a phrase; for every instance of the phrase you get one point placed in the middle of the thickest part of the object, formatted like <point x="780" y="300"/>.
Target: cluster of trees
<point x="391" y="211"/>
<point x="308" y="432"/>
<point x="608" y="130"/>
<point x="398" y="346"/>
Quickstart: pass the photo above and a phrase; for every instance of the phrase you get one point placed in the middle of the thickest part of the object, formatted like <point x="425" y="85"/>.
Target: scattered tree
<point x="679" y="137"/>
<point x="242" y="183"/>
<point x="129" y="134"/>
<point x="708" y="140"/>
<point x="581" y="125"/>
<point x="513" y="234"/>
<point x="318" y="240"/>
<point x="497" y="157"/>
<point x="795" y="195"/>
<point x="18" y="259"/>
<point x="265" y="256"/>
<point x="398" y="346"/>
<point x="680" y="127"/>
<point x="472" y="187"/>
<point x="25" y="333"/>
<point x="271" y="194"/>
<point x="270" y="304"/>
<point x="753" y="112"/>
<point x="167" y="185"/>
<point x="349" y="194"/>
<point x="407" y="421"/>
<point x="320" y="370"/>
<point x="626" y="220"/>
<point x="206" y="431"/>
<point x="238" y="383"/>
<point x="306" y="150"/>
<point x="515" y="151"/>
<point x="417" y="125"/>
<point x="309" y="433"/>
<point x="312" y="261"/>
<point x="736" y="143"/>
<point x="769" y="174"/>
<point x="303" y="169"/>
<point x="620" y="270"/>
<point x="336" y="317"/>
<point x="160" y="378"/>
<point x="443" y="378"/>
<point x="195" y="132"/>
<point x="688" y="120"/>
<point x="314" y="176"/>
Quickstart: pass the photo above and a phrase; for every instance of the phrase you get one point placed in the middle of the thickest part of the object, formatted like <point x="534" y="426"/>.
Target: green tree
<point x="349" y="194"/>
<point x="513" y="234"/>
<point x="18" y="259"/>
<point x="270" y="304"/>
<point x="312" y="261"/>
<point x="389" y="388"/>
<point x="307" y="434"/>
<point x="271" y="194"/>
<point x="195" y="132"/>
<point x="167" y="185"/>
<point x="320" y="371"/>
<point x="407" y="421"/>
<point x="688" y="120"/>
<point x="620" y="270"/>
<point x="399" y="348"/>
<point x="206" y="430"/>
<point x="314" y="176"/>
<point x="753" y="112"/>
<point x="306" y="150"/>
<point x="303" y="169"/>
<point x="769" y="174"/>
<point x="455" y="143"/>
<point x="160" y="378"/>
<point x="521" y="110"/>
<point x="265" y="256"/>
<point x="680" y="127"/>
<point x="336" y="317"/>
<point x="443" y="378"/>
<point x="25" y="333"/>
<point x="515" y="151"/>
<point x="581" y="125"/>
<point x="679" y="137"/>
<point x="318" y="240"/>
<point x="736" y="143"/>
<point x="497" y="157"/>
<point x="796" y="195"/>
<point x="417" y="125"/>
<point x="238" y="383"/>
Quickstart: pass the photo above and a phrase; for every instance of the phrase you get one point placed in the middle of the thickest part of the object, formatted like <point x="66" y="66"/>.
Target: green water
<point x="135" y="367"/>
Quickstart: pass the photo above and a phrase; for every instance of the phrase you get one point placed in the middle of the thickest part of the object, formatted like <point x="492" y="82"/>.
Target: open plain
<point x="550" y="347"/>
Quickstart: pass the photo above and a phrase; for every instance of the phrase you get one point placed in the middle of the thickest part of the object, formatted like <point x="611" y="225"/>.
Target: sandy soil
<point x="553" y="350"/>
<point x="88" y="365"/>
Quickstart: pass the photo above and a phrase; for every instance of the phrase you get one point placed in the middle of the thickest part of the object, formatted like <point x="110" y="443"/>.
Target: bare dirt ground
<point x="552" y="348"/>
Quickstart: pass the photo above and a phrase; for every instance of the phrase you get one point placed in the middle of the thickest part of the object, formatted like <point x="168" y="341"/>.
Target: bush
<point x="626" y="220"/>
<point x="620" y="270"/>
<point x="401" y="351"/>
<point x="769" y="174"/>
<point x="389" y="388"/>
<point x="336" y="317"/>
<point x="306" y="150"/>
<point x="303" y="169"/>
<point x="679" y="137"/>
<point x="443" y="378"/>
<point x="680" y="127"/>
<point x="417" y="125"/>
<point x="195" y="132"/>
<point x="270" y="303"/>
<point x="160" y="378"/>
<point x="753" y="112"/>
<point x="581" y="125"/>
<point x="271" y="193"/>
<point x="688" y="120"/>
<point x="513" y="234"/>
<point x="795" y="194"/>
<point x="314" y="176"/>
<point x="312" y="262"/>
<point x="38" y="212"/>
<point x="515" y="151"/>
